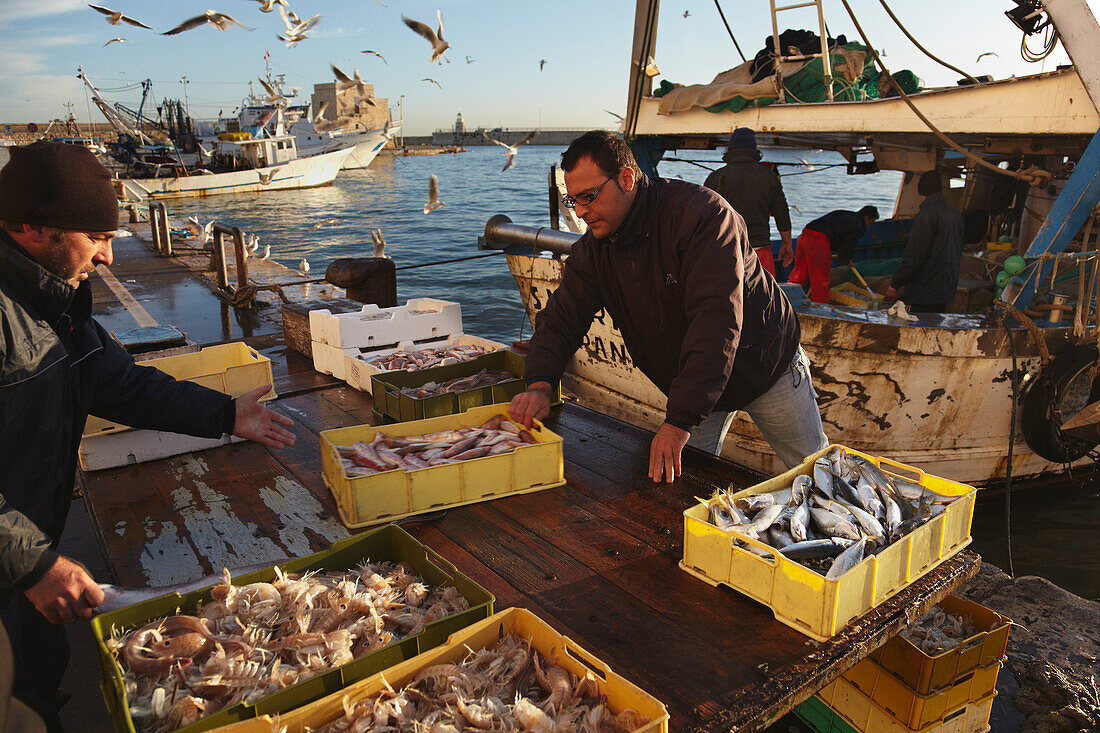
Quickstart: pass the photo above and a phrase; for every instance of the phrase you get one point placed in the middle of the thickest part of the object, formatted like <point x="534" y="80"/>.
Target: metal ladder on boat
<point x="780" y="57"/>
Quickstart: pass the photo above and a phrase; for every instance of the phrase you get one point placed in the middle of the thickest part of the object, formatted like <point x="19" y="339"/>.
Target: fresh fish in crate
<point x="830" y="520"/>
<point x="245" y="642"/>
<point x="411" y="452"/>
<point x="426" y="358"/>
<point x="484" y="378"/>
<point x="938" y="631"/>
<point x="506" y="687"/>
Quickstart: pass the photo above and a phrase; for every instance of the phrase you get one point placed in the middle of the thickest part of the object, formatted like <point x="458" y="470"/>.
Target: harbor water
<point x="1055" y="532"/>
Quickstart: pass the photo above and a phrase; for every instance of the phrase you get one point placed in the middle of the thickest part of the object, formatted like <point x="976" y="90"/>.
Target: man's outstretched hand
<point x="66" y="592"/>
<point x="534" y="404"/>
<point x="664" y="453"/>
<point x="258" y="423"/>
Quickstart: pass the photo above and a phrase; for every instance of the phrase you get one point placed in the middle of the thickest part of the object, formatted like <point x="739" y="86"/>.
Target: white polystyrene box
<point x="373" y="327"/>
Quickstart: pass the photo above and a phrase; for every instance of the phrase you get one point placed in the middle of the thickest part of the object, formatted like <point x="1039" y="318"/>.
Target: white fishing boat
<point x="365" y="144"/>
<point x="955" y="394"/>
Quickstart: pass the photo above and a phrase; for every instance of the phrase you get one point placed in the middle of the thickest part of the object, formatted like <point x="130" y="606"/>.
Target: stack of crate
<point x="901" y="689"/>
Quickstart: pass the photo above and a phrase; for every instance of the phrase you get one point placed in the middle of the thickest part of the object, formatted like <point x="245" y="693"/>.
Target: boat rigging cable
<point x="916" y="43"/>
<point x="1034" y="178"/>
<point x="735" y="44"/>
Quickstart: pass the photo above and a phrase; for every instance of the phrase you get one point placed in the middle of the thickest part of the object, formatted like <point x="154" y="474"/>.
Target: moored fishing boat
<point x="939" y="392"/>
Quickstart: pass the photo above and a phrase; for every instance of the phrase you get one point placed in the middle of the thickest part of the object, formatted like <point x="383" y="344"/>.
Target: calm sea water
<point x="1054" y="532"/>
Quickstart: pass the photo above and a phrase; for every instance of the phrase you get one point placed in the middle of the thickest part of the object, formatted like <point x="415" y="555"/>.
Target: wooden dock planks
<point x="597" y="558"/>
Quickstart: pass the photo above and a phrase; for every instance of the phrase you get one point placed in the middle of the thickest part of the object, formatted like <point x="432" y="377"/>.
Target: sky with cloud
<point x="585" y="46"/>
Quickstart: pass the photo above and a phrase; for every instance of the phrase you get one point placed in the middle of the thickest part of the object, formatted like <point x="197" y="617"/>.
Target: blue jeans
<point x="786" y="415"/>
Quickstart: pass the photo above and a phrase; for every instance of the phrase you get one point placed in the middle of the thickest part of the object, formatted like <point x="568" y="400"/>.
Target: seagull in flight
<point x="272" y="94"/>
<point x="616" y="115"/>
<point x="987" y="53"/>
<point x="439" y="46"/>
<point x="265" y="178"/>
<point x="389" y="129"/>
<point x="345" y="82"/>
<point x="511" y="150"/>
<point x="542" y="62"/>
<point x="318" y="225"/>
<point x="470" y="59"/>
<point x="687" y="13"/>
<point x="221" y="21"/>
<point x="433" y="81"/>
<point x="266" y="6"/>
<point x="114" y="17"/>
<point x="433" y="196"/>
<point x="379" y="243"/>
<point x="116" y="40"/>
<point x="295" y="27"/>
<point x="375" y="53"/>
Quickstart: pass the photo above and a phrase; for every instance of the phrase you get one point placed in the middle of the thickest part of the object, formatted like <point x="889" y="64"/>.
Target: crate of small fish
<point x="272" y="640"/>
<point x="510" y="672"/>
<point x="956" y="637"/>
<point x="864" y="714"/>
<point x="373" y="327"/>
<point x="830" y="539"/>
<point x="448" y="390"/>
<point x="380" y="474"/>
<point x="414" y="357"/>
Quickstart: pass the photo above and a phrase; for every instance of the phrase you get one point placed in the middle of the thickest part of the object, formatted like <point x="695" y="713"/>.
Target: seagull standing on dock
<point x="221" y="21"/>
<point x="379" y="243"/>
<point x="512" y="150"/>
<point x="114" y="17"/>
<point x="439" y="46"/>
<point x="267" y="252"/>
<point x="303" y="266"/>
<point x="433" y="196"/>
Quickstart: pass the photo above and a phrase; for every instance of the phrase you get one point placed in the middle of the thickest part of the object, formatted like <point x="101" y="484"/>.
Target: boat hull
<point x="935" y="396"/>
<point x="305" y="172"/>
<point x="365" y="144"/>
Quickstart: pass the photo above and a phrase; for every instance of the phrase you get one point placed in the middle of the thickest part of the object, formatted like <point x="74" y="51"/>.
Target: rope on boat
<point x="1033" y="175"/>
<point x="916" y="43"/>
<point x="723" y="17"/>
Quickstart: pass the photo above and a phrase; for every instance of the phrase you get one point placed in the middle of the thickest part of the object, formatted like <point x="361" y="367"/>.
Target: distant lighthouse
<point x="460" y="125"/>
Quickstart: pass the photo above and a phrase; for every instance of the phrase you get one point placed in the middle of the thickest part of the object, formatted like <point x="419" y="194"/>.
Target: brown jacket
<point x="699" y="315"/>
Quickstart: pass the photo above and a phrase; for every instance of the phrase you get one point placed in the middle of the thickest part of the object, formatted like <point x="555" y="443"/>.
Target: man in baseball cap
<point x="58" y="214"/>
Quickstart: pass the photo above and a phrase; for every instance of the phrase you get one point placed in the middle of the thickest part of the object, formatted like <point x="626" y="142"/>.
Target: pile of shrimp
<point x="938" y="631"/>
<point x="506" y="687"/>
<point x="248" y="641"/>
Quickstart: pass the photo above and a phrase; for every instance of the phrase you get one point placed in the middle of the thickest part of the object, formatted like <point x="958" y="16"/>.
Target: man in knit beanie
<point x="58" y="213"/>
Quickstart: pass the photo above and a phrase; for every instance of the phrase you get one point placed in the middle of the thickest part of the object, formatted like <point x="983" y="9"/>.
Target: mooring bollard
<point x="366" y="279"/>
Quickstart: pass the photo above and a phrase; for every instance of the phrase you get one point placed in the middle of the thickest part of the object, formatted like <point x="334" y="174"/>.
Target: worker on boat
<point x="670" y="261"/>
<point x="58" y="214"/>
<point x="835" y="233"/>
<point x="928" y="275"/>
<point x="756" y="193"/>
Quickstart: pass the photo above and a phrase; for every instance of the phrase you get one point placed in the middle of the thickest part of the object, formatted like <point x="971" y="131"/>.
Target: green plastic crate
<point x="390" y="402"/>
<point x="383" y="543"/>
<point x="816" y="714"/>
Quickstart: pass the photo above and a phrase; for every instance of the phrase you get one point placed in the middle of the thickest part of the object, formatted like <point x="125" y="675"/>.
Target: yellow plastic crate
<point x="232" y="369"/>
<point x="854" y="295"/>
<point x="915" y="710"/>
<point x="804" y="599"/>
<point x="391" y="495"/>
<point x="855" y="707"/>
<point x="620" y="693"/>
<point x="924" y="673"/>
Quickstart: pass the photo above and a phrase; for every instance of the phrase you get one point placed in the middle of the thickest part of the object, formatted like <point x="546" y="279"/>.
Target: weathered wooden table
<point x="596" y="558"/>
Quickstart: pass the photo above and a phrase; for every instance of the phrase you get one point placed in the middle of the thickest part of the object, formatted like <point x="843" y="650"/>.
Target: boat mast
<point x="645" y="37"/>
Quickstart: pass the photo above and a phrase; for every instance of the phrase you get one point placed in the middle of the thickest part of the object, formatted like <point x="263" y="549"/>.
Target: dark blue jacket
<point x="843" y="228"/>
<point x="57" y="365"/>
<point x="929" y="269"/>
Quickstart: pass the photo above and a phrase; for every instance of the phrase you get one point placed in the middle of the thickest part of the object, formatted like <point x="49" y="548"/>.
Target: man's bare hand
<point x="786" y="254"/>
<point x="65" y="593"/>
<point x="534" y="404"/>
<point x="664" y="453"/>
<point x="891" y="292"/>
<point x="258" y="423"/>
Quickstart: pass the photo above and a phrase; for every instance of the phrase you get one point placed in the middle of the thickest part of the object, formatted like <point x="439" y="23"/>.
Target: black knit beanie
<point x="57" y="185"/>
<point x="929" y="183"/>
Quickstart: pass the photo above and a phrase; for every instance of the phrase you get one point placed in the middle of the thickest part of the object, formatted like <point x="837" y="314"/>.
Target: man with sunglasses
<point x="671" y="263"/>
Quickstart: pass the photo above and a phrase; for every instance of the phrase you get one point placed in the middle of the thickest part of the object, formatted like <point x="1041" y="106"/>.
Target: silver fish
<point x="871" y="526"/>
<point x="823" y="477"/>
<point x="755" y="503"/>
<point x="801" y="488"/>
<point x="847" y="560"/>
<point x="816" y="549"/>
<point x="720" y="515"/>
<point x="893" y="514"/>
<point x="766" y="517"/>
<point x="780" y="538"/>
<point x="800" y="522"/>
<point x="833" y="524"/>
<point x="844" y="490"/>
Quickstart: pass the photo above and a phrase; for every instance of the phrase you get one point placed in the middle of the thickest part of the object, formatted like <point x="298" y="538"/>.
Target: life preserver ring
<point x="1056" y="395"/>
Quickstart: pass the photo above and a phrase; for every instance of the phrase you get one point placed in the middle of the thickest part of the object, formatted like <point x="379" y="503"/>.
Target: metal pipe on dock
<point x="501" y="233"/>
